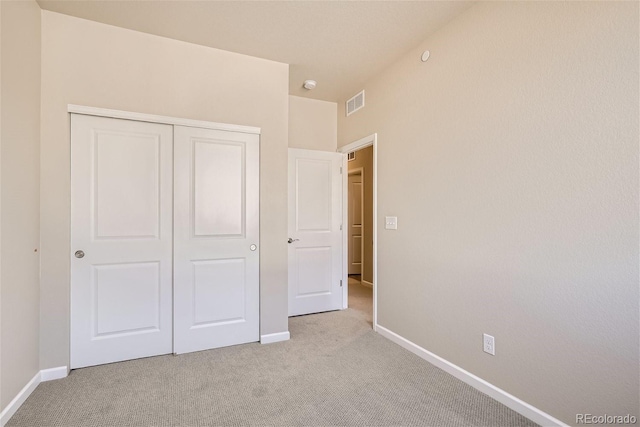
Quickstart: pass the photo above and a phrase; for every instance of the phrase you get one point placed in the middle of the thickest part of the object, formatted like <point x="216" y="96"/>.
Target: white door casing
<point x="371" y="140"/>
<point x="216" y="239"/>
<point x="121" y="216"/>
<point x="356" y="218"/>
<point x="315" y="216"/>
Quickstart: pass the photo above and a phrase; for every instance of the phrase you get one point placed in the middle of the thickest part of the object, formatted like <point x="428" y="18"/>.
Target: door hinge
<point x="340" y="283"/>
<point x="340" y="170"/>
<point x="340" y="227"/>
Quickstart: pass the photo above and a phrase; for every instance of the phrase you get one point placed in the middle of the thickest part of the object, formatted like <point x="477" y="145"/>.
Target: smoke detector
<point x="309" y="84"/>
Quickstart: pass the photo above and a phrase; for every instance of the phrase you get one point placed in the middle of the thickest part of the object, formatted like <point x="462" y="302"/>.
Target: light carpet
<point x="334" y="371"/>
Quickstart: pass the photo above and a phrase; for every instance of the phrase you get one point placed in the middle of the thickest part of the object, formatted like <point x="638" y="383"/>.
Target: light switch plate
<point x="391" y="222"/>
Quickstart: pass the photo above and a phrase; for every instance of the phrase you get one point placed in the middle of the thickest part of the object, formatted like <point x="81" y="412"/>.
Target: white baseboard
<point x="54" y="373"/>
<point x="41" y="376"/>
<point x="17" y="401"/>
<point x="277" y="337"/>
<point x="510" y="401"/>
<point x="367" y="284"/>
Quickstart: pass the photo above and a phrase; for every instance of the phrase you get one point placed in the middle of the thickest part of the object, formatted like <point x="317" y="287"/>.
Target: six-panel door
<point x="121" y="240"/>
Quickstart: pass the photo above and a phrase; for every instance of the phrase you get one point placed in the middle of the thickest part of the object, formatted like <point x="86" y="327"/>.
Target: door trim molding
<point x="371" y="140"/>
<point x="510" y="401"/>
<point x="153" y="118"/>
<point x="359" y="144"/>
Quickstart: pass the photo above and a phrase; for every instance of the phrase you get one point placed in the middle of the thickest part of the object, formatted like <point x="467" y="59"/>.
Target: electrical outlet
<point x="391" y="222"/>
<point x="489" y="344"/>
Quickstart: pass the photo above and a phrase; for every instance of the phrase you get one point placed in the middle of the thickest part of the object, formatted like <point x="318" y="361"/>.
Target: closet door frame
<point x="153" y="118"/>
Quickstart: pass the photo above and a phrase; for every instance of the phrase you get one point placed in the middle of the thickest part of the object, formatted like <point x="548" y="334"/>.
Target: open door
<point x="315" y="235"/>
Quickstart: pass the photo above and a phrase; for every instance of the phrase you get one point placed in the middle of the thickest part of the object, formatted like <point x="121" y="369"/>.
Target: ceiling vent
<point x="355" y="103"/>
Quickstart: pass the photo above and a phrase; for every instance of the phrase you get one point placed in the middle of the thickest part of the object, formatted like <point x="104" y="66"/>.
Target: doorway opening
<point x="359" y="185"/>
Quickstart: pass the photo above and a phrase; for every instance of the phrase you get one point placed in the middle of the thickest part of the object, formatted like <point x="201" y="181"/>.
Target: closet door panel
<point x="121" y="239"/>
<point x="216" y="247"/>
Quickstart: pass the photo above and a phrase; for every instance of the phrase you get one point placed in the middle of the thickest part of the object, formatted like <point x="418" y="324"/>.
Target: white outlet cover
<point x="489" y="344"/>
<point x="391" y="222"/>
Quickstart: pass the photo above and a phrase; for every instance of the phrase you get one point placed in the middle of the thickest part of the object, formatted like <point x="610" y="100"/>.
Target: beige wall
<point x="511" y="161"/>
<point x="20" y="142"/>
<point x="364" y="160"/>
<point x="92" y="64"/>
<point x="313" y="124"/>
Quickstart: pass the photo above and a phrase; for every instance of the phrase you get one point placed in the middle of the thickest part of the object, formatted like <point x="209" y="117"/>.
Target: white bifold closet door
<point x="164" y="239"/>
<point x="216" y="230"/>
<point x="121" y="239"/>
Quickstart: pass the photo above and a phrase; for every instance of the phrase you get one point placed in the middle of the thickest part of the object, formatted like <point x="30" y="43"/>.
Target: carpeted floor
<point x="334" y="371"/>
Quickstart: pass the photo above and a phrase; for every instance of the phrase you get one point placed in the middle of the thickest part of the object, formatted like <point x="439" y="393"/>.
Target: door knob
<point x="79" y="254"/>
<point x="253" y="247"/>
<point x="292" y="240"/>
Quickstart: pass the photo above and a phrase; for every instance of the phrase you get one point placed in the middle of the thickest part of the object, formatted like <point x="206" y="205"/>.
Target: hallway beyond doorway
<point x="361" y="298"/>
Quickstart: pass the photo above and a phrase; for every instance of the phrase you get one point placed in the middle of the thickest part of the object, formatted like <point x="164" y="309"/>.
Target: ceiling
<point x="341" y="44"/>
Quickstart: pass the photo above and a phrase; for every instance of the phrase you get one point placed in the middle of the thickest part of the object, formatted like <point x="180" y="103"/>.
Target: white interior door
<point x="355" y="223"/>
<point x="315" y="248"/>
<point x="216" y="231"/>
<point x="121" y="240"/>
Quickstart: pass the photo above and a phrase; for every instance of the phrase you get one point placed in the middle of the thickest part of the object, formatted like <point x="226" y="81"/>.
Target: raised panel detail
<point x="218" y="188"/>
<point x="218" y="291"/>
<point x="126" y="298"/>
<point x="357" y="203"/>
<point x="314" y="271"/>
<point x="314" y="203"/>
<point x="126" y="185"/>
<point x="357" y="249"/>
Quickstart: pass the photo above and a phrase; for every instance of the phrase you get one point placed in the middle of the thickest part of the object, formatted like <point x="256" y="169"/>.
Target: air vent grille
<point x="355" y="103"/>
